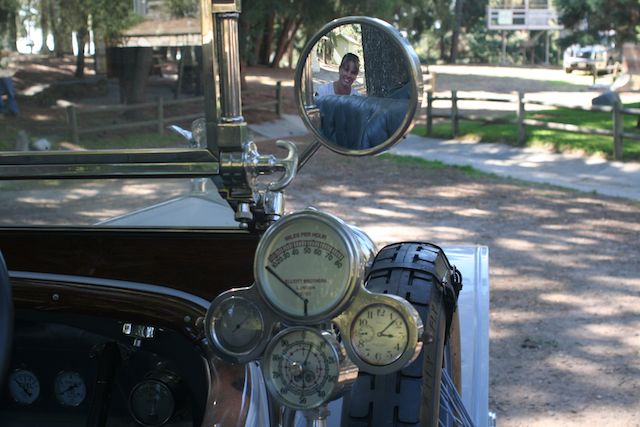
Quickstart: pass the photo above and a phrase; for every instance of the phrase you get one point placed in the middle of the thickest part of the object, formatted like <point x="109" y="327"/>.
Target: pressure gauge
<point x="307" y="266"/>
<point x="380" y="334"/>
<point x="235" y="326"/>
<point x="151" y="403"/>
<point x="24" y="386"/>
<point x="301" y="367"/>
<point x="69" y="388"/>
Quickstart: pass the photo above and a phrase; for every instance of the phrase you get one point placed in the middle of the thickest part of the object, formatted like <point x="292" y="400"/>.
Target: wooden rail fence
<point x="617" y="112"/>
<point x="160" y="120"/>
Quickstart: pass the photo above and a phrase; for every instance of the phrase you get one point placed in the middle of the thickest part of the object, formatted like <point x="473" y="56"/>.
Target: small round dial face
<point x="379" y="334"/>
<point x="24" y="386"/>
<point x="237" y="325"/>
<point x="301" y="368"/>
<point x="69" y="388"/>
<point x="151" y="403"/>
<point x="304" y="267"/>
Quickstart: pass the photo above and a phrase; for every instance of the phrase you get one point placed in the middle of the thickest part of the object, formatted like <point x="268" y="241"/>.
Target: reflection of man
<point x="347" y="73"/>
<point x="6" y="85"/>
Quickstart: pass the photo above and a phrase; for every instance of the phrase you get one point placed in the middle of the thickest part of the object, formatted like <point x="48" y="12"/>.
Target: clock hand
<point x="382" y="334"/>
<point x="296" y="293"/>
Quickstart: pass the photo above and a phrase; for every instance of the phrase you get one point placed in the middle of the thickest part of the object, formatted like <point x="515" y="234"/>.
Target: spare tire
<point x="421" y="274"/>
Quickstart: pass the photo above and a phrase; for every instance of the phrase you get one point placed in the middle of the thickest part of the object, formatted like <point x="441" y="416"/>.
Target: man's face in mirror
<point x="348" y="73"/>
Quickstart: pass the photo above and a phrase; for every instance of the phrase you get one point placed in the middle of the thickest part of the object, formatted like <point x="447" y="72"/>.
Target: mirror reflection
<point x="361" y="86"/>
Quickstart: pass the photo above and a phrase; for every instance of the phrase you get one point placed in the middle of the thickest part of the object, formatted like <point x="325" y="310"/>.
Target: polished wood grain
<point x="200" y="262"/>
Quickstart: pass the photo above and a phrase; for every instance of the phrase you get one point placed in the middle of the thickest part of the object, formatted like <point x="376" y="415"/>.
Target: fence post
<point x="160" y="113"/>
<point x="72" y="118"/>
<point x="454" y="113"/>
<point x="429" y="113"/>
<point x="617" y="131"/>
<point x="279" y="98"/>
<point x="522" y="135"/>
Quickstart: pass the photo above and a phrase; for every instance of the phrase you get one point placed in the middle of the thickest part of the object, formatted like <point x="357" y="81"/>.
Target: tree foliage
<point x="590" y="18"/>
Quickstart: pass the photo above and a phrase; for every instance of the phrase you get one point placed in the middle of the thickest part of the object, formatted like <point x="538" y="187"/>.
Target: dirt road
<point x="564" y="272"/>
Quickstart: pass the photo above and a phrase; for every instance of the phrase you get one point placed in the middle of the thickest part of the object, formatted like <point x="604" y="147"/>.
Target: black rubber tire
<point x="411" y="396"/>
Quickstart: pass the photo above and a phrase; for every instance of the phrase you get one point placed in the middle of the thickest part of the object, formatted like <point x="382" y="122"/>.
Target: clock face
<point x="379" y="334"/>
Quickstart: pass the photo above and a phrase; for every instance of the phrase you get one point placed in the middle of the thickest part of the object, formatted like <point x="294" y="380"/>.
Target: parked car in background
<point x="594" y="59"/>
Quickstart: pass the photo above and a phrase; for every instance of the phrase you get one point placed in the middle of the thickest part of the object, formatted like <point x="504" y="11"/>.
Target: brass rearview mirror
<point x="358" y="85"/>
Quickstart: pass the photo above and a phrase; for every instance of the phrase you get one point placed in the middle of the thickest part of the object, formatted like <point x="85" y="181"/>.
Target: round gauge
<point x="151" y="403"/>
<point x="24" y="386"/>
<point x="379" y="334"/>
<point x="69" y="388"/>
<point x="306" y="267"/>
<point x="301" y="367"/>
<point x="235" y="325"/>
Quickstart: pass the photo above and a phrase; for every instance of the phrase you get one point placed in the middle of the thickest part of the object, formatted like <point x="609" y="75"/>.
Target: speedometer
<point x="307" y="266"/>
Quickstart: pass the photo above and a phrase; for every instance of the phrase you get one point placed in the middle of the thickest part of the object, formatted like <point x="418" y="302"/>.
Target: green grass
<point x="432" y="164"/>
<point x="559" y="140"/>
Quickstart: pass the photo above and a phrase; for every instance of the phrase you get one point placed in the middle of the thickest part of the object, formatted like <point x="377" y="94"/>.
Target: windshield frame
<point x="109" y="164"/>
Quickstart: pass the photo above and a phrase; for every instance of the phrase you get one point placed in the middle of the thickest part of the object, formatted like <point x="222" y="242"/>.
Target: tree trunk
<point x="287" y="34"/>
<point x="134" y="64"/>
<point x="13" y="31"/>
<point x="81" y="39"/>
<point x="385" y="72"/>
<point x="44" y="24"/>
<point x="443" y="48"/>
<point x="455" y="36"/>
<point x="267" y="40"/>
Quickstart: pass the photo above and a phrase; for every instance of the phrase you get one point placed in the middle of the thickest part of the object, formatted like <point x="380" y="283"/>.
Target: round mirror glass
<point x="358" y="85"/>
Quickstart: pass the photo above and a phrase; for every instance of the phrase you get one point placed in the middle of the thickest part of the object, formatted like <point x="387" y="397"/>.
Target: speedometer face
<point x="305" y="267"/>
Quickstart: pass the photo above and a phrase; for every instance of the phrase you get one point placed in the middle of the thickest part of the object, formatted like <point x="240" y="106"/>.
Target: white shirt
<point x="327" y="89"/>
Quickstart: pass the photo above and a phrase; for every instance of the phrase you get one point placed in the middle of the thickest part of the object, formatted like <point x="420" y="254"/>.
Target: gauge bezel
<point x="247" y="296"/>
<point x="354" y="326"/>
<point x="354" y="257"/>
<point x="410" y="316"/>
<point x="59" y="378"/>
<point x="143" y="383"/>
<point x="37" y="383"/>
<point x="332" y="347"/>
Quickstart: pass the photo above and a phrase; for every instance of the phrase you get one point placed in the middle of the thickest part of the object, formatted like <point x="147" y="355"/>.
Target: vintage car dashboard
<point x="79" y="370"/>
<point x="108" y="327"/>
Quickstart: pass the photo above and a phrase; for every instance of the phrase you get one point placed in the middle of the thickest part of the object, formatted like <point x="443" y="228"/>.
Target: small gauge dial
<point x="69" y="388"/>
<point x="380" y="334"/>
<point x="236" y="324"/>
<point x="301" y="367"/>
<point x="24" y="386"/>
<point x="305" y="266"/>
<point x="151" y="403"/>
